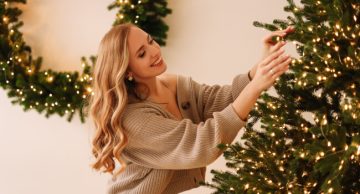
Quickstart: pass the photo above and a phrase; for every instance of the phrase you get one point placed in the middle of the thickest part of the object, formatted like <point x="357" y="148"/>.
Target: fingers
<point x="268" y="39"/>
<point x="281" y="33"/>
<point x="276" y="63"/>
<point x="284" y="66"/>
<point x="290" y="29"/>
<point x="271" y="57"/>
<point x="277" y="46"/>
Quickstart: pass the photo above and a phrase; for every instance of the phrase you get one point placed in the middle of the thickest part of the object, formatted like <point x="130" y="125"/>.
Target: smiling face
<point x="145" y="60"/>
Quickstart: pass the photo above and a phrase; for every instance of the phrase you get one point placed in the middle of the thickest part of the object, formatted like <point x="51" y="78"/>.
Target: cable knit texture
<point x="167" y="156"/>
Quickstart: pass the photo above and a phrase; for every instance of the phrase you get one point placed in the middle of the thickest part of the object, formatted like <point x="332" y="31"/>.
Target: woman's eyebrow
<point x="142" y="46"/>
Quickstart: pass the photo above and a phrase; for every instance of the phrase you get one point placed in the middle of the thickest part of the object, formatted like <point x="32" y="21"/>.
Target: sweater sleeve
<point x="215" y="98"/>
<point x="162" y="143"/>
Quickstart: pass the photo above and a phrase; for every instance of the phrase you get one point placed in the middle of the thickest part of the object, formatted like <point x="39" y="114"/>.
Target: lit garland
<point x="309" y="140"/>
<point x="62" y="93"/>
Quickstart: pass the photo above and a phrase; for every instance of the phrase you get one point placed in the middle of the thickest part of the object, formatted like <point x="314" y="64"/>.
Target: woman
<point x="164" y="129"/>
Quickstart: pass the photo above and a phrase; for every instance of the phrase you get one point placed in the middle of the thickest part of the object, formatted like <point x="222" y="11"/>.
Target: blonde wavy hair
<point x="110" y="97"/>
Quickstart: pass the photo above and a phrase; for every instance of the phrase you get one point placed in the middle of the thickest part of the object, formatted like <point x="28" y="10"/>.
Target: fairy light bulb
<point x="281" y="169"/>
<point x="328" y="143"/>
<point x="89" y="89"/>
<point x="247" y="186"/>
<point x="353" y="115"/>
<point x="50" y="79"/>
<point x="324" y="122"/>
<point x="337" y="26"/>
<point x="5" y="19"/>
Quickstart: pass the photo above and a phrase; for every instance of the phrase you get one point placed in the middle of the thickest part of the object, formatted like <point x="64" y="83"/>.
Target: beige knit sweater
<point x="167" y="156"/>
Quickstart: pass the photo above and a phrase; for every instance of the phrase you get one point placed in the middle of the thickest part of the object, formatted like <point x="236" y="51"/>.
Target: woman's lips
<point x="158" y="64"/>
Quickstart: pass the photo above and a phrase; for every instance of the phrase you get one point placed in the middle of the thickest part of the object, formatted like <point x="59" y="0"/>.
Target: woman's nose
<point x="154" y="50"/>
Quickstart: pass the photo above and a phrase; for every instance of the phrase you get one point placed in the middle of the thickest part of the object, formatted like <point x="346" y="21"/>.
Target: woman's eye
<point x="142" y="54"/>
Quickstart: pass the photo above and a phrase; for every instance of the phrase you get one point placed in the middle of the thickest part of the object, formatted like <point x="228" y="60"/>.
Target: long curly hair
<point x="110" y="97"/>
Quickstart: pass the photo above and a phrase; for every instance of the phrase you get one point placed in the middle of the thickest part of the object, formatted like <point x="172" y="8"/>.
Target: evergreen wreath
<point x="62" y="93"/>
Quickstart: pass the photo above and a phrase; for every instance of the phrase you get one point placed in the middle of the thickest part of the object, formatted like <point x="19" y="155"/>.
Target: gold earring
<point x="130" y="78"/>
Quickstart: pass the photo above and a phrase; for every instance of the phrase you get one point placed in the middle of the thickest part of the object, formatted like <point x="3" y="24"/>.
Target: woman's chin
<point x="163" y="67"/>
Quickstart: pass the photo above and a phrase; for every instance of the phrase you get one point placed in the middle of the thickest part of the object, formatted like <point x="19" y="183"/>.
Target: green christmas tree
<point x="309" y="136"/>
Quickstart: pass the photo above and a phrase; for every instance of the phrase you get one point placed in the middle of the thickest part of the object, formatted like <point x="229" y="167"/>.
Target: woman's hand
<point x="269" y="45"/>
<point x="270" y="68"/>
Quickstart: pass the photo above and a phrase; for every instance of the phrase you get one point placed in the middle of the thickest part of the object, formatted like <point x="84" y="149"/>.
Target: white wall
<point x="210" y="40"/>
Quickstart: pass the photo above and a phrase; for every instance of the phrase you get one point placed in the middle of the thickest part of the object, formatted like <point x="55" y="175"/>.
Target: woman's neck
<point x="160" y="92"/>
<point x="157" y="89"/>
